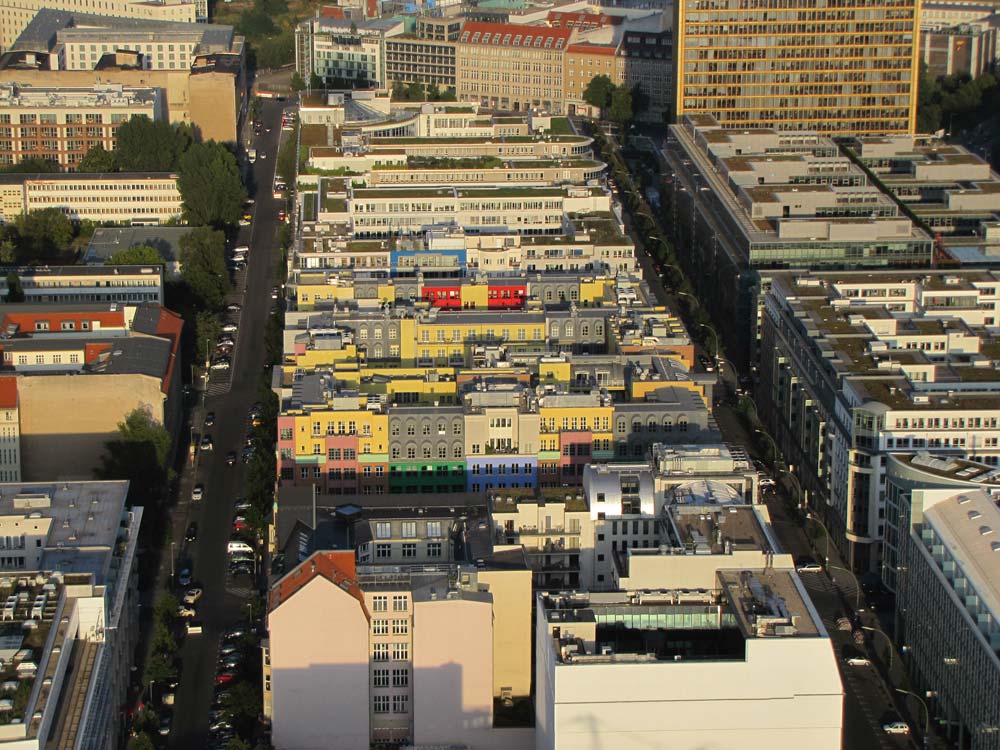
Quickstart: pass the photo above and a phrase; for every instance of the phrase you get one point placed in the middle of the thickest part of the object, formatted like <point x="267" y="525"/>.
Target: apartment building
<point x="584" y="61"/>
<point x="118" y="197"/>
<point x="127" y="355"/>
<point x="393" y="674"/>
<point x="947" y="609"/>
<point x="854" y="70"/>
<point x="512" y="67"/>
<point x="855" y="366"/>
<point x="748" y="657"/>
<point x="69" y="567"/>
<point x="426" y="57"/>
<point x="200" y="69"/>
<point x="10" y="431"/>
<point x="17" y="15"/>
<point x="61" y="124"/>
<point x="952" y="191"/>
<point x="959" y="37"/>
<point x="75" y="284"/>
<point x="746" y="202"/>
<point x="339" y="50"/>
<point x="645" y="59"/>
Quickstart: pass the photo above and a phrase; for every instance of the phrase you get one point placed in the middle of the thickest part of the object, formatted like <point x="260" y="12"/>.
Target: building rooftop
<point x="106" y="241"/>
<point x="951" y="467"/>
<point x="967" y="525"/>
<point x="708" y="529"/>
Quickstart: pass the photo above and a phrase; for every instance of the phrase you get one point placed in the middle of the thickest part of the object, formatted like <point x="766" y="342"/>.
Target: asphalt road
<point x="225" y="601"/>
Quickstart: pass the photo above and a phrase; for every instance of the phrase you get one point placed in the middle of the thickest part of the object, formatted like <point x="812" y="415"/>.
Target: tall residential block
<point x="849" y="67"/>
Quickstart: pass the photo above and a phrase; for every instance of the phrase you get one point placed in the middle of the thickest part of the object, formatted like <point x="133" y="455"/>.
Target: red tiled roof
<point x="25" y="320"/>
<point x="332" y="11"/>
<point x="336" y="567"/>
<point x="514" y="35"/>
<point x="592" y="49"/>
<point x="170" y="326"/>
<point x="8" y="392"/>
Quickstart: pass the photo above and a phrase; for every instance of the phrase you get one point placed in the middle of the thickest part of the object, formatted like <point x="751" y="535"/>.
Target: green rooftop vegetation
<point x="978" y="374"/>
<point x="560" y="126"/>
<point x="313" y="135"/>
<point x="509" y="192"/>
<point x="309" y="206"/>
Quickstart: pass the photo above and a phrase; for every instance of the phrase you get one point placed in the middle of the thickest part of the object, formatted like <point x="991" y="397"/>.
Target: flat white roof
<point x="968" y="524"/>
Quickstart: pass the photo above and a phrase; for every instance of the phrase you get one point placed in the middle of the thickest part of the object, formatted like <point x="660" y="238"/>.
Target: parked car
<point x="274" y="292"/>
<point x="206" y="442"/>
<point x="242" y="504"/>
<point x="230" y="328"/>
<point x="248" y="452"/>
<point x="164" y="729"/>
<point x="191" y="596"/>
<point x="233" y="308"/>
<point x="192" y="532"/>
<point x="706" y="363"/>
<point x="241" y="569"/>
<point x="858" y="661"/>
<point x="225" y="341"/>
<point x="230" y="662"/>
<point x="167" y="699"/>
<point x="896" y="727"/>
<point x="844" y="624"/>
<point x="766" y="483"/>
<point x="210" y="419"/>
<point x="221" y="364"/>
<point x="184" y="577"/>
<point x="185" y="611"/>
<point x="198" y="492"/>
<point x="228" y="648"/>
<point x="807" y="565"/>
<point x="240" y="524"/>
<point x="231" y="458"/>
<point x="224" y="677"/>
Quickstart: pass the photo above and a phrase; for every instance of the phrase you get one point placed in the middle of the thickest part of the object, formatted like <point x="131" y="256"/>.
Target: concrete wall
<point x="786" y="695"/>
<point x="656" y="571"/>
<point x="511" y="591"/>
<point x="67" y="419"/>
<point x="452" y="671"/>
<point x="319" y="670"/>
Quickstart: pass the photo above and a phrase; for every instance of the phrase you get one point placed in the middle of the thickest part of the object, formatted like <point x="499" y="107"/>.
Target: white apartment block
<point x="15" y="15"/>
<point x="393" y="673"/>
<point x="134" y="284"/>
<point x="62" y="124"/>
<point x="855" y="366"/>
<point x="344" y="50"/>
<point x="118" y="197"/>
<point x="746" y="663"/>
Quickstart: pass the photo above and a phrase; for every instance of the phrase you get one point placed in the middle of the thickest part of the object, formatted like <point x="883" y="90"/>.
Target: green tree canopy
<point x="97" y="159"/>
<point x="137" y="255"/>
<point x="14" y="291"/>
<point x="298" y="83"/>
<point x="210" y="185"/>
<point x="242" y="705"/>
<point x="139" y="454"/>
<point x="32" y="166"/>
<point x="43" y="234"/>
<point x="144" y="145"/>
<point x="598" y="92"/>
<point x="207" y="330"/>
<point x="203" y="266"/>
<point x="621" y="105"/>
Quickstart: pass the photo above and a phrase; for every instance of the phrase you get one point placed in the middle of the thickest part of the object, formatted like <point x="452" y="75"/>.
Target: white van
<point x="238" y="547"/>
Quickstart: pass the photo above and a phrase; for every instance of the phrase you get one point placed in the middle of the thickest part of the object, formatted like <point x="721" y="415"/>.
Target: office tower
<point x="846" y="67"/>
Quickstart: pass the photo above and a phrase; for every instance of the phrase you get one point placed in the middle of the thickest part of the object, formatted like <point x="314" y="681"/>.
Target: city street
<point x="224" y="602"/>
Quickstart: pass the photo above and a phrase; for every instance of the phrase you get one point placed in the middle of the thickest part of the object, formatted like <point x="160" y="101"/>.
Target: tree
<point x="621" y="105"/>
<point x="8" y="251"/>
<point x="598" y="92"/>
<point x="144" y="145"/>
<point x="14" y="291"/>
<point x="207" y="329"/>
<point x="97" y="159"/>
<point x="203" y="266"/>
<point x="142" y="741"/>
<point x="210" y="185"/>
<point x="139" y="454"/>
<point x="235" y="743"/>
<point x="288" y="161"/>
<point x="137" y="255"/>
<point x="242" y="706"/>
<point x="415" y="92"/>
<point x="298" y="83"/>
<point x="160" y="668"/>
<point x="33" y="165"/>
<point x="44" y="233"/>
<point x="165" y="607"/>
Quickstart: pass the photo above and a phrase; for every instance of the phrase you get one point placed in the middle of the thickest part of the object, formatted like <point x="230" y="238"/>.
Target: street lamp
<point x="826" y="533"/>
<point x="857" y="586"/>
<point x="927" y="713"/>
<point x="888" y="640"/>
<point x="172" y="556"/>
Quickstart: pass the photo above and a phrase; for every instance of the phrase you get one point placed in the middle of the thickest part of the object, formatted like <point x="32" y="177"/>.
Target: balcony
<point x="554" y="531"/>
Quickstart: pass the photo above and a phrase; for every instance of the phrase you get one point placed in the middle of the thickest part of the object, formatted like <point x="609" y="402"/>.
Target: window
<point x="380" y="627"/>
<point x="400" y="651"/>
<point x="380" y="652"/>
<point x="380" y="678"/>
<point x="400" y="704"/>
<point x="400" y="627"/>
<point x="434" y="549"/>
<point x="409" y="549"/>
<point x="380" y="704"/>
<point x="399" y="603"/>
<point x="401" y="678"/>
<point x="383" y="551"/>
<point x="383" y="530"/>
<point x="433" y="529"/>
<point x="380" y="603"/>
<point x="409" y="529"/>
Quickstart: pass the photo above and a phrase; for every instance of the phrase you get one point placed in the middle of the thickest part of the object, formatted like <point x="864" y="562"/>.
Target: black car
<point x="241" y="569"/>
<point x="192" y="532"/>
<point x="231" y="458"/>
<point x="210" y="419"/>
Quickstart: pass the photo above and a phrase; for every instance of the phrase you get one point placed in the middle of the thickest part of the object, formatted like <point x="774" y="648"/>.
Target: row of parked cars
<point x="229" y="664"/>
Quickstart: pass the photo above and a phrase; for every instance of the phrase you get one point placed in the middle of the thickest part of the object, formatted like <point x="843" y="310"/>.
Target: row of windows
<point x="395" y="651"/>
<point x="400" y="603"/>
<point x="408" y="550"/>
<point x="400" y="704"/>
<point x="407" y="530"/>
<point x="400" y="677"/>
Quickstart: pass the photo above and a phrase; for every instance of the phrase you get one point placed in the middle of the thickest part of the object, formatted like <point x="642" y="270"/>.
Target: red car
<point x="281" y="215"/>
<point x="225" y="677"/>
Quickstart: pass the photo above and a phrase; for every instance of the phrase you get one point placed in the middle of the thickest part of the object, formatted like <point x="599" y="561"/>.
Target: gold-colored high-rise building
<point x="835" y="66"/>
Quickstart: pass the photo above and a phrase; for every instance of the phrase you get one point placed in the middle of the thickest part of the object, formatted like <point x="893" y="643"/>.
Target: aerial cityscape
<point x="500" y="374"/>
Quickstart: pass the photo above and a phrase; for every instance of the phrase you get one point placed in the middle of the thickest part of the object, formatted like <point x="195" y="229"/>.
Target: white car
<point x="185" y="612"/>
<point x="896" y="727"/>
<point x="766" y="482"/>
<point x="192" y="596"/>
<point x="858" y="661"/>
<point x="813" y="567"/>
<point x="230" y="328"/>
<point x="222" y="364"/>
<point x="197" y="493"/>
